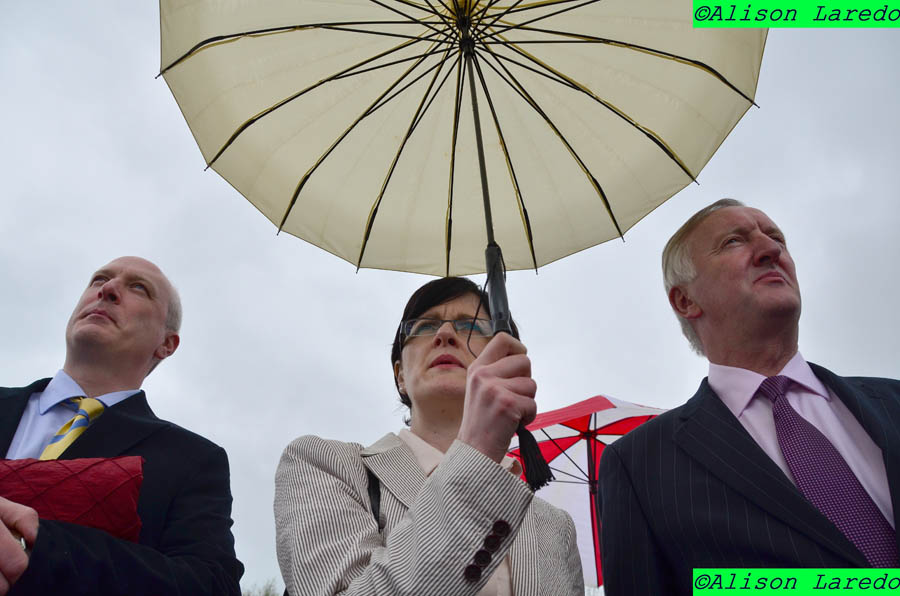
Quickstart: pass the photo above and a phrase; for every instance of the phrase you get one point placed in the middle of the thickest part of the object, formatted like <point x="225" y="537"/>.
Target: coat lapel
<point x="880" y="418"/>
<point x="119" y="428"/>
<point x="396" y="467"/>
<point x="13" y="402"/>
<point x="711" y="435"/>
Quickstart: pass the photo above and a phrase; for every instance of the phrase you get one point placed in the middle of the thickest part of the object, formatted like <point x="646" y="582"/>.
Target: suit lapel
<point x="879" y="417"/>
<point x="525" y="563"/>
<point x="711" y="435"/>
<point x="396" y="467"/>
<point x="13" y="402"/>
<point x="119" y="428"/>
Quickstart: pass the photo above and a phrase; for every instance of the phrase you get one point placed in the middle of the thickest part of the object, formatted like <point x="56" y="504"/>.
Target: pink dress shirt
<point x="819" y="406"/>
<point x="429" y="458"/>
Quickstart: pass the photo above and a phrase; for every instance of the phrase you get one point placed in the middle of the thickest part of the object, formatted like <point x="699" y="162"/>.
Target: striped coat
<point x="328" y="541"/>
<point x="692" y="488"/>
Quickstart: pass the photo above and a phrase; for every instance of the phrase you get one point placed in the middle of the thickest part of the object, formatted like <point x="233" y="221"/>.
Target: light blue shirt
<point x="45" y="413"/>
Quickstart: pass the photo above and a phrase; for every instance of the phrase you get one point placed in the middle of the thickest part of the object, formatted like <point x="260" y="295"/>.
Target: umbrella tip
<point x="158" y="75"/>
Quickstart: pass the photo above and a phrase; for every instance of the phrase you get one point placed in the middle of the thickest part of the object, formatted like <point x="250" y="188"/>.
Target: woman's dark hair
<point x="435" y="293"/>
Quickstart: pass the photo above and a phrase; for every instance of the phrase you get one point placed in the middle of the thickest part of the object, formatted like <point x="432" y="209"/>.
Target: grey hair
<point x="173" y="316"/>
<point x="173" y="312"/>
<point x="678" y="267"/>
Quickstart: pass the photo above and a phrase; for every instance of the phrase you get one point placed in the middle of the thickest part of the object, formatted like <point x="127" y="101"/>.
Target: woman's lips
<point x="446" y="360"/>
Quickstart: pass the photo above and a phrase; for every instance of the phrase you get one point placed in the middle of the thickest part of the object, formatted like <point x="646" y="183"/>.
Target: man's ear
<point x="167" y="347"/>
<point x="398" y="376"/>
<point x="683" y="305"/>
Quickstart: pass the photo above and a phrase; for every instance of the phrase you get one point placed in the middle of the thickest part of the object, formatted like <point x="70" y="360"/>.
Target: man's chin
<point x="90" y="335"/>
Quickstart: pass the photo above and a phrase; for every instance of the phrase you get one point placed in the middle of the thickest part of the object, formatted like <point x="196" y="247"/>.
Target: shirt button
<point x="501" y="528"/>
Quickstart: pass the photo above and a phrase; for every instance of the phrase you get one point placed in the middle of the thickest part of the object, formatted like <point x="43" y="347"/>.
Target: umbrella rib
<point x="231" y="37"/>
<point x="523" y="211"/>
<point x="401" y="13"/>
<point x="584" y="38"/>
<point x="539" y="5"/>
<point x="339" y="75"/>
<point x="407" y="86"/>
<point x="495" y="18"/>
<point x="578" y="482"/>
<point x="443" y="17"/>
<point x="391" y="63"/>
<point x="436" y="92"/>
<point x="545" y="16"/>
<point x="520" y="89"/>
<point x="430" y="8"/>
<point x="573" y="84"/>
<point x="381" y="33"/>
<point x="412" y="125"/>
<point x="448" y="226"/>
<point x="342" y="136"/>
<point x="564" y="453"/>
<point x="477" y="16"/>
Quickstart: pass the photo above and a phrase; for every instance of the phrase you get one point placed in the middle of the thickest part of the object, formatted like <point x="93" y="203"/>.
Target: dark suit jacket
<point x="185" y="546"/>
<point x="691" y="488"/>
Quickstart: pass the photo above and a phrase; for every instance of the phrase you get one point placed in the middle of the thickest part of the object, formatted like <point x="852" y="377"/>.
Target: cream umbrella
<point x="411" y="134"/>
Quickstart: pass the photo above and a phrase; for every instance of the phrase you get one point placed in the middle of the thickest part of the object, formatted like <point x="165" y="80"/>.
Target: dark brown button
<point x="501" y="528"/>
<point x="472" y="573"/>
<point x="482" y="558"/>
<point x="492" y="543"/>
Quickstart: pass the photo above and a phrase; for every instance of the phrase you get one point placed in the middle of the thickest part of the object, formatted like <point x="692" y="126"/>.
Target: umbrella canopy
<point x="572" y="440"/>
<point x="349" y="123"/>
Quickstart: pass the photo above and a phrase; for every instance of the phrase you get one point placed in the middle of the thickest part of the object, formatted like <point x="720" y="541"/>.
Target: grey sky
<point x="281" y="339"/>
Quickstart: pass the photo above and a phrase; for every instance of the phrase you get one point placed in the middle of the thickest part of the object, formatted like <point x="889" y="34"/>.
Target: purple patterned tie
<point x="826" y="480"/>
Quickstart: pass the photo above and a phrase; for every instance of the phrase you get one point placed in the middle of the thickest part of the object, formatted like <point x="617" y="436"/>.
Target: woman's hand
<point x="499" y="395"/>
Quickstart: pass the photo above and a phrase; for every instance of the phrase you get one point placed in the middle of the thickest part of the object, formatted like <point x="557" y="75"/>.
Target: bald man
<point x="125" y="323"/>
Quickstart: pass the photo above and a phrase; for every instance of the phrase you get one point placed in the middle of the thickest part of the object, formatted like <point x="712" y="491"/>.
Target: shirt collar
<point x="429" y="457"/>
<point x="62" y="387"/>
<point x="737" y="386"/>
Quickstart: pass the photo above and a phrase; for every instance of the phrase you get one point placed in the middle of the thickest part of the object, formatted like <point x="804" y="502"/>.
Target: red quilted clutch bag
<point x="96" y="492"/>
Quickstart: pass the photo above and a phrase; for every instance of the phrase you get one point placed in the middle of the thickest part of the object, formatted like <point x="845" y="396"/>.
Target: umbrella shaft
<point x="485" y="194"/>
<point x="500" y="318"/>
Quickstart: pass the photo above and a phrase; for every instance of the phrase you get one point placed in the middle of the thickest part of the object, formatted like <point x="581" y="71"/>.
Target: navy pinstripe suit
<point x="692" y="488"/>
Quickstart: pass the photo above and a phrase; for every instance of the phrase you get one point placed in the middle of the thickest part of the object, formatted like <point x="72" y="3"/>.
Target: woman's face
<point x="432" y="368"/>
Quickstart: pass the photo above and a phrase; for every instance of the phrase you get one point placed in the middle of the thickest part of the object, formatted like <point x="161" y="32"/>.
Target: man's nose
<point x="109" y="291"/>
<point x="767" y="250"/>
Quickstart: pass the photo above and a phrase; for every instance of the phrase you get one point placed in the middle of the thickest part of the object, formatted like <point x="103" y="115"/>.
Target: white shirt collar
<point x="63" y="387"/>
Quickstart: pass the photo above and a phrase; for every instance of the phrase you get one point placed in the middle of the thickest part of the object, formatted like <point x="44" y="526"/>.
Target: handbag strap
<point x="374" y="489"/>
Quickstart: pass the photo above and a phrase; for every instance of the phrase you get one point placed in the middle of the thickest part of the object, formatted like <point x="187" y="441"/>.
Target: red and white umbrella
<point x="572" y="440"/>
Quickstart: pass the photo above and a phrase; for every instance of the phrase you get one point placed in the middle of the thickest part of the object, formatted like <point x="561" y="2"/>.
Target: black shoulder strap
<point x="374" y="489"/>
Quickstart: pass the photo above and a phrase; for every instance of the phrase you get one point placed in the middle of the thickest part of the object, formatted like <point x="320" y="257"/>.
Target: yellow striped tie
<point x="89" y="409"/>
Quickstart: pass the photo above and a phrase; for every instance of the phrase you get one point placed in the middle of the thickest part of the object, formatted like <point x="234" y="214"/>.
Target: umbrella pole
<point x="537" y="472"/>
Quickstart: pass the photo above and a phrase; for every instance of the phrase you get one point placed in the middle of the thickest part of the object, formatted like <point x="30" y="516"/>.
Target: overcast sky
<point x="282" y="339"/>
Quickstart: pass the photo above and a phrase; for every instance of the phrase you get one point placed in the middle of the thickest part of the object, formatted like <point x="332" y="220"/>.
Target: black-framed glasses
<point x="427" y="326"/>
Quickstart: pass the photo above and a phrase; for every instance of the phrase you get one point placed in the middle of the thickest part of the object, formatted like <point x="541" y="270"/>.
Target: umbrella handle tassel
<point x="537" y="472"/>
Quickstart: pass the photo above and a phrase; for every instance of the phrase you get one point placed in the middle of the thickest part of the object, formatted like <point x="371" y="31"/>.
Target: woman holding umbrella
<point x="438" y="508"/>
